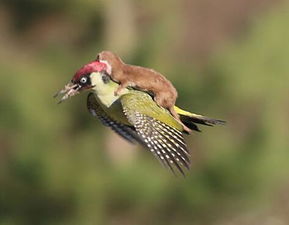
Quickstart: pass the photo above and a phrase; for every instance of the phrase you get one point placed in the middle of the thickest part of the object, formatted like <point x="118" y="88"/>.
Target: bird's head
<point x="83" y="79"/>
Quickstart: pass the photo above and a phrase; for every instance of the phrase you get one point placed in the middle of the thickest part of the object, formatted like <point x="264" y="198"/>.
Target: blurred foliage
<point x="59" y="165"/>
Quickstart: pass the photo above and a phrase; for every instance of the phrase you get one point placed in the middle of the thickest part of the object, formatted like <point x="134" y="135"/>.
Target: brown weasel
<point x="165" y="94"/>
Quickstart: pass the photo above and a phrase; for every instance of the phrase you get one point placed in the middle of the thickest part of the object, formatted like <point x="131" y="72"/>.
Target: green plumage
<point x="136" y="117"/>
<point x="164" y="140"/>
<point x="143" y="103"/>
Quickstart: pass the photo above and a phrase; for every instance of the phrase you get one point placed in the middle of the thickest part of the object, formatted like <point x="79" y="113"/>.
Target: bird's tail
<point x="191" y="119"/>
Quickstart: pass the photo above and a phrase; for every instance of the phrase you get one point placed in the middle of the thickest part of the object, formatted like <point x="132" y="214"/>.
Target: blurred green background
<point x="228" y="60"/>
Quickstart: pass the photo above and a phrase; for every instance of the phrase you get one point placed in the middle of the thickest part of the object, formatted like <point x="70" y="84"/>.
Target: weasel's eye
<point x="83" y="80"/>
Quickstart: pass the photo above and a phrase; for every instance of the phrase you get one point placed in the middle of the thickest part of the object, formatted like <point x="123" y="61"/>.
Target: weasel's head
<point x="112" y="61"/>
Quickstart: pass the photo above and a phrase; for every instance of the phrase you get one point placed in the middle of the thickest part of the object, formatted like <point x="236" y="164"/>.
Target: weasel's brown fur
<point x="165" y="94"/>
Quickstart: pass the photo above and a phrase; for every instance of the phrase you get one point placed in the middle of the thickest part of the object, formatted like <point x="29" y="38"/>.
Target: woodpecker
<point x="135" y="116"/>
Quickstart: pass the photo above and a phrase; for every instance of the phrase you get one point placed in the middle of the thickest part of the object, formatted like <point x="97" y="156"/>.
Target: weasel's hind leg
<point x="163" y="102"/>
<point x="177" y="117"/>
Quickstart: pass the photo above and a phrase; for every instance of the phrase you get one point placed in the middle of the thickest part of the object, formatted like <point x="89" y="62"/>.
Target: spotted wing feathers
<point x="165" y="142"/>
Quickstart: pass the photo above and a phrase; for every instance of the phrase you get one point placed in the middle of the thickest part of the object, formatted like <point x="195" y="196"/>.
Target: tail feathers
<point x="191" y="119"/>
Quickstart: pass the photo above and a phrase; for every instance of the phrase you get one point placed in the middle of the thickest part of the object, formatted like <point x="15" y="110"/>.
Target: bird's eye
<point x="83" y="80"/>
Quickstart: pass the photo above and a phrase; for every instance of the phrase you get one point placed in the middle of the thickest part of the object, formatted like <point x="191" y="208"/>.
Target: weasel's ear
<point x="97" y="57"/>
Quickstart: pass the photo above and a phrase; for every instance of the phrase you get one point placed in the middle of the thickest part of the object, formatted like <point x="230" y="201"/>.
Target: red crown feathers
<point x="94" y="66"/>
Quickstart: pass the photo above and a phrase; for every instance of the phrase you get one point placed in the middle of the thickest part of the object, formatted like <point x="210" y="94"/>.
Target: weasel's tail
<point x="191" y="119"/>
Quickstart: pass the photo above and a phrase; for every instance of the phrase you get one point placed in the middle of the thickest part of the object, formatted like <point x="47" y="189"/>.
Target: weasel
<point x="146" y="79"/>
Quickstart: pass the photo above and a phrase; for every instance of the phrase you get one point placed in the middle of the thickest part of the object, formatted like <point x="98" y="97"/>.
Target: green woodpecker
<point x="134" y="115"/>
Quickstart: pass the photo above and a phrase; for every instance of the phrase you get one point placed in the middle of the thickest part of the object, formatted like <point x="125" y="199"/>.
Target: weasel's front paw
<point x="116" y="92"/>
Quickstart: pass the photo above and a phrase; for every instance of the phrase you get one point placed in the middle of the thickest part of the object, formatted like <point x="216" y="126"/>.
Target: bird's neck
<point x="105" y="92"/>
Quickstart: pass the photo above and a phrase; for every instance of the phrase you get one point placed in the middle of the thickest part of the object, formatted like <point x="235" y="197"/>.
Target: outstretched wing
<point x="127" y="132"/>
<point x="157" y="130"/>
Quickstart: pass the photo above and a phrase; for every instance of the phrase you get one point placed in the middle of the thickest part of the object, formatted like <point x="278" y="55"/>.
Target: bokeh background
<point x="228" y="60"/>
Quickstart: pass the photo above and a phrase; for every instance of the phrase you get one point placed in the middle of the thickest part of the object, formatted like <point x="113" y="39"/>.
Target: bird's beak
<point x="68" y="91"/>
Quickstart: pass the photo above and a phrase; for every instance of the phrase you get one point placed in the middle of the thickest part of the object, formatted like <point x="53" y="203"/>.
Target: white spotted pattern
<point x="165" y="142"/>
